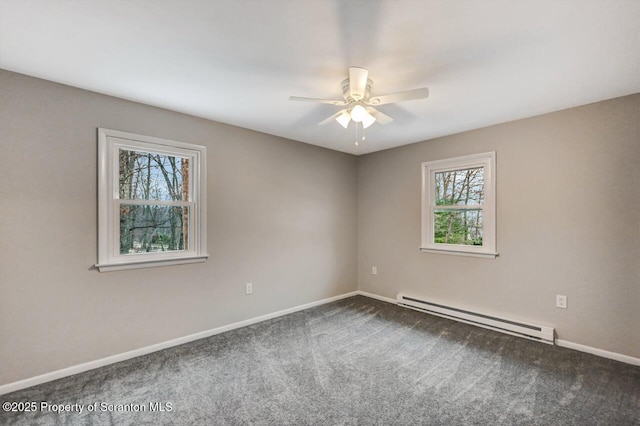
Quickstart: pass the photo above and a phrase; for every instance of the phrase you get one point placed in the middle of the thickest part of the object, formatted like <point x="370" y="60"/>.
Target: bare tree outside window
<point x="153" y="182"/>
<point x="459" y="225"/>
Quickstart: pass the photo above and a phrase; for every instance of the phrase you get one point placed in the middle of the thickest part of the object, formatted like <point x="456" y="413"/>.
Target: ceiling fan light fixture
<point x="358" y="104"/>
<point x="358" y="113"/>
<point x="344" y="119"/>
<point x="368" y="120"/>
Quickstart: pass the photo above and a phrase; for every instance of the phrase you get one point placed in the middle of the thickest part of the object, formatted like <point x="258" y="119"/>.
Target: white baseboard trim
<point x="91" y="365"/>
<point x="599" y="352"/>
<point x="375" y="296"/>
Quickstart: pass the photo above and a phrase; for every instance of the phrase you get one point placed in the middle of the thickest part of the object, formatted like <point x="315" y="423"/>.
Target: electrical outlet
<point x="248" y="288"/>
<point x="561" y="301"/>
<point x="374" y="270"/>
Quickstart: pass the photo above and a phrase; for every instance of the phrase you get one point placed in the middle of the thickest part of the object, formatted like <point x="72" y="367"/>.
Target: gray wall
<point x="568" y="222"/>
<point x="281" y="214"/>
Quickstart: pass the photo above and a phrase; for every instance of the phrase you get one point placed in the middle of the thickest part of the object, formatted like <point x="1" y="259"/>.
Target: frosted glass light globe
<point x="358" y="113"/>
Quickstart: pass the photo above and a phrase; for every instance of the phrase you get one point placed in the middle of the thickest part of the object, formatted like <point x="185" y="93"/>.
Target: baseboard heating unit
<point x="538" y="333"/>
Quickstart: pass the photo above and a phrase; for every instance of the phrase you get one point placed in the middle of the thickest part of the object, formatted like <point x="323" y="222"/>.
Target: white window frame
<point x="486" y="160"/>
<point x="109" y="257"/>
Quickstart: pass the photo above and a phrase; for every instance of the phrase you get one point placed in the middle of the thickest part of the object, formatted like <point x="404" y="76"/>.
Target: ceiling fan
<point x="358" y="102"/>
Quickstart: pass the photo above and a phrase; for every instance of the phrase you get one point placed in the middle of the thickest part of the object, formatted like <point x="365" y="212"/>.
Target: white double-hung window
<point x="458" y="206"/>
<point x="151" y="201"/>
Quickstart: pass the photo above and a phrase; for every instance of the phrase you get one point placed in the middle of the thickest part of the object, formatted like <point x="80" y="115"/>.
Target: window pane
<point x="460" y="187"/>
<point x="145" y="229"/>
<point x="149" y="176"/>
<point x="457" y="227"/>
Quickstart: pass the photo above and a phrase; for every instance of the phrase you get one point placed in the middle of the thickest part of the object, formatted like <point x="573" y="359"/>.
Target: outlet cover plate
<point x="561" y="301"/>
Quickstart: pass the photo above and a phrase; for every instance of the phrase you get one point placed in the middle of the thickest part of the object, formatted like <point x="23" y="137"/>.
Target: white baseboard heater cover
<point x="535" y="332"/>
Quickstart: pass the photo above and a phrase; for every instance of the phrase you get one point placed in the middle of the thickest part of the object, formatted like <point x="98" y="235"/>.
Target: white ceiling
<point x="238" y="61"/>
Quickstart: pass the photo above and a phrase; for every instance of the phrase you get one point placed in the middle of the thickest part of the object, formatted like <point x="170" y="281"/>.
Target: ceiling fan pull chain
<point x="356" y="134"/>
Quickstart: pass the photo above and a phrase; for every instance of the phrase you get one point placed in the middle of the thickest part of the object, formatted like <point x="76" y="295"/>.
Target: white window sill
<point x="459" y="253"/>
<point x="149" y="263"/>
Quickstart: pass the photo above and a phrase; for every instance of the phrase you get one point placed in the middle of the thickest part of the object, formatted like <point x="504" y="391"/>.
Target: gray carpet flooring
<point x="357" y="361"/>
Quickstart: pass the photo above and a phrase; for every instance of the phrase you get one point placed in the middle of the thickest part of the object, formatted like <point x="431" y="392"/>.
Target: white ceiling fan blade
<point x="408" y="95"/>
<point x="358" y="82"/>
<point x="333" y="117"/>
<point x="380" y="117"/>
<point x="318" y="101"/>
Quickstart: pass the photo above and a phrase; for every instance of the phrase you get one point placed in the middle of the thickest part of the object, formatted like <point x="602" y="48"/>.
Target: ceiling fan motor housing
<point x="346" y="91"/>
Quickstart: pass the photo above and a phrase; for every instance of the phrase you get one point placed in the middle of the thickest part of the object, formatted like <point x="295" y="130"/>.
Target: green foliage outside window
<point x="463" y="224"/>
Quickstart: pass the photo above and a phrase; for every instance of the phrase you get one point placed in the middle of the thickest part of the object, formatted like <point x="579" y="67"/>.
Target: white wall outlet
<point x="248" y="288"/>
<point x="374" y="270"/>
<point x="561" y="301"/>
